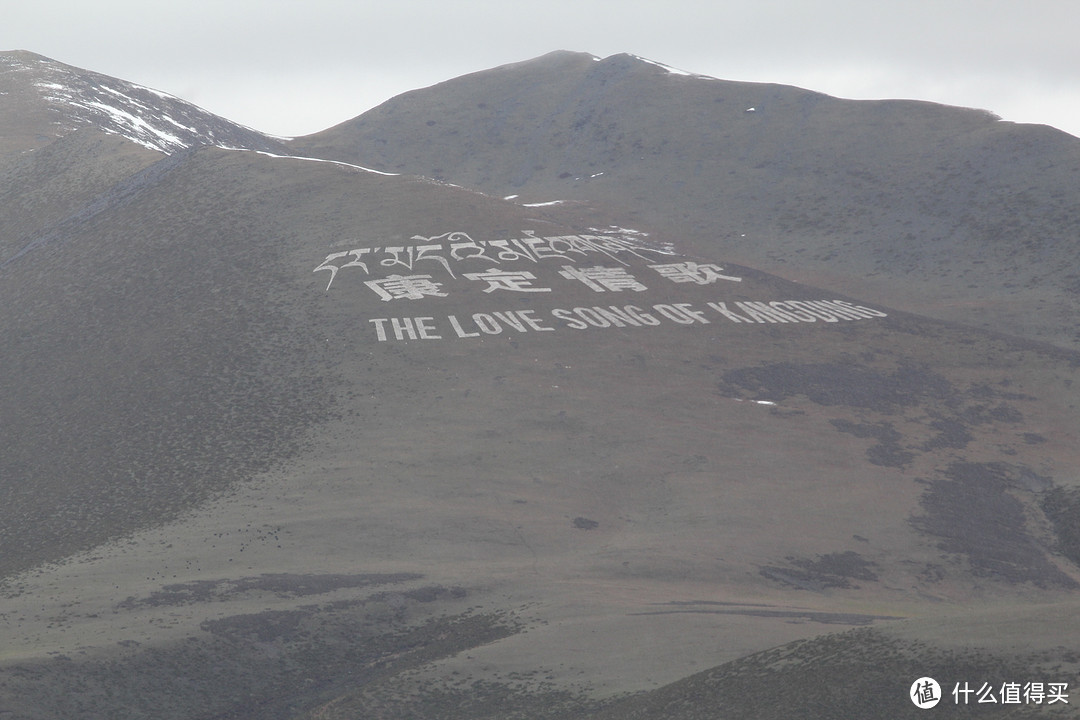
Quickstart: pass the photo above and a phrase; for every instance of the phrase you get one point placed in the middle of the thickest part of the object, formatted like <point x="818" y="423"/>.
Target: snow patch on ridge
<point x="142" y="132"/>
<point x="151" y="118"/>
<point x="321" y="160"/>
<point x="672" y="70"/>
<point x="549" y="203"/>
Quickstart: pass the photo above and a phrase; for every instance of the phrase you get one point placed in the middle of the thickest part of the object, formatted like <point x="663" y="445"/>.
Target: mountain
<point x="287" y="437"/>
<point x="945" y="211"/>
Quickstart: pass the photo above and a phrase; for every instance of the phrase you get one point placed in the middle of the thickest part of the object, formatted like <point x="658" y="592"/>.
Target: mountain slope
<point x="943" y="210"/>
<point x="41" y="188"/>
<point x="271" y="444"/>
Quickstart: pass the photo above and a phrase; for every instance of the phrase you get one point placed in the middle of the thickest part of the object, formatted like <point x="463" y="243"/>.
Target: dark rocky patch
<point x="826" y="618"/>
<point x="263" y="627"/>
<point x="278" y="664"/>
<point x="889" y="455"/>
<point x="981" y="414"/>
<point x="289" y="625"/>
<point x="832" y="570"/>
<point x="848" y="564"/>
<point x="951" y="433"/>
<point x="1062" y="508"/>
<point x="281" y="584"/>
<point x="430" y="593"/>
<point x="974" y="512"/>
<point x="887" y="452"/>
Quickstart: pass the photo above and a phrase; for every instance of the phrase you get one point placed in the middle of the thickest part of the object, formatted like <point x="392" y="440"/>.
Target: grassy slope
<point x="611" y="485"/>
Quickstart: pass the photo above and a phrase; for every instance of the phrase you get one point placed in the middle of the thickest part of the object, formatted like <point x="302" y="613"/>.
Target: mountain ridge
<point x="62" y="98"/>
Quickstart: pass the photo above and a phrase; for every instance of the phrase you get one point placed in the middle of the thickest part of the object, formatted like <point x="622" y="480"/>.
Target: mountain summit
<point x="44" y="99"/>
<point x="945" y="211"/>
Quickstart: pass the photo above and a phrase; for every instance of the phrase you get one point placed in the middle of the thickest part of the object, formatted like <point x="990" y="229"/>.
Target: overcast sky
<point x="296" y="67"/>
